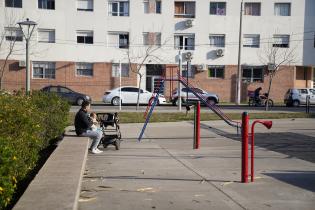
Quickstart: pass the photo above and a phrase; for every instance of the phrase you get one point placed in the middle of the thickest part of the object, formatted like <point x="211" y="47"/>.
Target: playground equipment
<point x="182" y="80"/>
<point x="245" y="126"/>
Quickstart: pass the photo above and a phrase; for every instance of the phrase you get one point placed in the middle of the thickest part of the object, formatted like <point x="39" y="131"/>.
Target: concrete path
<point x="164" y="172"/>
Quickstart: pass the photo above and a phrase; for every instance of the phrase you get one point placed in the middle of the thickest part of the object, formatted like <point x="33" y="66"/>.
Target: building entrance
<point x="154" y="74"/>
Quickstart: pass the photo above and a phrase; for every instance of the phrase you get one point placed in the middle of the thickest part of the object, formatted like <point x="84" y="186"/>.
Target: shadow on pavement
<point x="292" y="144"/>
<point x="301" y="179"/>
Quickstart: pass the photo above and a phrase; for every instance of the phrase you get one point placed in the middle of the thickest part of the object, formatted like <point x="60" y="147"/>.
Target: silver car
<point x="297" y="96"/>
<point x="129" y="95"/>
<point x="210" y="97"/>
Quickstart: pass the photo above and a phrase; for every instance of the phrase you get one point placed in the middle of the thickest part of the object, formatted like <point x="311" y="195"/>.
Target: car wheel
<point x="80" y="101"/>
<point x="176" y="102"/>
<point x="211" y="101"/>
<point x="296" y="103"/>
<point x="115" y="101"/>
<point x="117" y="144"/>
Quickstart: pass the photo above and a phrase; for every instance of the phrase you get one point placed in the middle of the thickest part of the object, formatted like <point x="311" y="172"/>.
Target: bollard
<point x="245" y="125"/>
<point x="308" y="104"/>
<point x="197" y="126"/>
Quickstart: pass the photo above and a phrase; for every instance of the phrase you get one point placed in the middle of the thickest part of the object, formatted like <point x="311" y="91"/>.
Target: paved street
<point x="164" y="172"/>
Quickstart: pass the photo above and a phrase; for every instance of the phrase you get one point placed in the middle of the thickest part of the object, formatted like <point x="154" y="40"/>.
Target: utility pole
<point x="179" y="88"/>
<point x="239" y="70"/>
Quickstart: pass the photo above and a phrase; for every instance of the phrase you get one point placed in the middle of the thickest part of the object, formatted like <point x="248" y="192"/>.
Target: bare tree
<point x="8" y="38"/>
<point x="138" y="56"/>
<point x="274" y="56"/>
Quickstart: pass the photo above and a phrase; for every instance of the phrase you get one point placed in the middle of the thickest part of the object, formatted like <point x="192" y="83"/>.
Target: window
<point x="119" y="8"/>
<point x="217" y="8"/>
<point x="85" y="37"/>
<point x="150" y="39"/>
<point x="282" y="9"/>
<point x="13" y="34"/>
<point x="185" y="9"/>
<point x="191" y="71"/>
<point x="124" y="70"/>
<point x="44" y="70"/>
<point x="251" y="40"/>
<point x="85" y="5"/>
<point x="13" y="3"/>
<point x="84" y="69"/>
<point x="252" y="9"/>
<point x="184" y="41"/>
<point x="216" y="72"/>
<point x="253" y="74"/>
<point x="118" y="39"/>
<point x="281" y="41"/>
<point x="46" y="35"/>
<point x="217" y="40"/>
<point x="152" y="6"/>
<point x="46" y="4"/>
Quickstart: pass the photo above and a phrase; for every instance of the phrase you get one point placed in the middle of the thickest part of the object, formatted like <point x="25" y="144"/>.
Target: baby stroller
<point x="111" y="135"/>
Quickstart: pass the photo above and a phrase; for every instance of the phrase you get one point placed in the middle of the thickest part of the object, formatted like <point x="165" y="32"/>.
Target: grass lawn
<point x="136" y="117"/>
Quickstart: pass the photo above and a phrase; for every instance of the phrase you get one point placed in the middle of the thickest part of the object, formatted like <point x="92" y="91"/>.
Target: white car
<point x="297" y="96"/>
<point x="129" y="95"/>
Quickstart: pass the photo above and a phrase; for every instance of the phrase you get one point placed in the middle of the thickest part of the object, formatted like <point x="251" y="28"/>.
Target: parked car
<point x="68" y="94"/>
<point x="211" y="97"/>
<point x="129" y="95"/>
<point x="297" y="96"/>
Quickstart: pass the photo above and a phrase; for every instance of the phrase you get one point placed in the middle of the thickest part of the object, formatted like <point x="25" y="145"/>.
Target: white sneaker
<point x="96" y="151"/>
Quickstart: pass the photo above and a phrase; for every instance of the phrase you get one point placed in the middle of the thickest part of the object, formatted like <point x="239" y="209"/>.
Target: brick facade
<point x="102" y="80"/>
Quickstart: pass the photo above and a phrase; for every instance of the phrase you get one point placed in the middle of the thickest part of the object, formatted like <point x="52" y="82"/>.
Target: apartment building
<point x="80" y="43"/>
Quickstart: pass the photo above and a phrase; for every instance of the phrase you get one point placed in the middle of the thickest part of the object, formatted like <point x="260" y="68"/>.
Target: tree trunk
<point x="140" y="75"/>
<point x="268" y="92"/>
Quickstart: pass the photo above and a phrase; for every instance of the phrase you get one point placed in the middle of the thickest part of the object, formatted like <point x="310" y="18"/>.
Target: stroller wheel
<point x="105" y="145"/>
<point x="117" y="144"/>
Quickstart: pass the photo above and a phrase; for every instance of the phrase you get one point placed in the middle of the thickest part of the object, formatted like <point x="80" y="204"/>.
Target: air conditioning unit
<point x="271" y="66"/>
<point x="22" y="63"/>
<point x="220" y="52"/>
<point x="201" y="67"/>
<point x="189" y="23"/>
<point x="187" y="56"/>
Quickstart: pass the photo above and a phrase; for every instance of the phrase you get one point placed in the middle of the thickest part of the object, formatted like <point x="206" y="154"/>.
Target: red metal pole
<point x="198" y="126"/>
<point x="252" y="153"/>
<point x="245" y="124"/>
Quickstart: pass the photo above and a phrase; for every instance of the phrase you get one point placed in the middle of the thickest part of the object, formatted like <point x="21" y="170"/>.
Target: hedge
<point x="27" y="125"/>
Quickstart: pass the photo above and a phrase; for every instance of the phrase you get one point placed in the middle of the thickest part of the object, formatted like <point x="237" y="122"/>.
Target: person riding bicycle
<point x="257" y="95"/>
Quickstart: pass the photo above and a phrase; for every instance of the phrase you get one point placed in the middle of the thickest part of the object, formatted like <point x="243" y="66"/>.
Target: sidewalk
<point x="164" y="172"/>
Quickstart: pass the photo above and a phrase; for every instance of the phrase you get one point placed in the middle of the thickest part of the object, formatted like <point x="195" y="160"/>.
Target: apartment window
<point x="217" y="40"/>
<point x="283" y="9"/>
<point x="84" y="69"/>
<point x="150" y="39"/>
<point x="281" y="41"/>
<point x="44" y="70"/>
<point x="253" y="73"/>
<point x="152" y="6"/>
<point x="85" y="37"/>
<point x="13" y="3"/>
<point x="85" y="5"/>
<point x="124" y="70"/>
<point x="118" y="39"/>
<point x="252" y="9"/>
<point x="13" y="34"/>
<point x="191" y="71"/>
<point x="251" y="40"/>
<point x="46" y="4"/>
<point x="119" y="8"/>
<point x="217" y="8"/>
<point x="216" y="72"/>
<point x="185" y="41"/>
<point x="46" y="35"/>
<point x="185" y="9"/>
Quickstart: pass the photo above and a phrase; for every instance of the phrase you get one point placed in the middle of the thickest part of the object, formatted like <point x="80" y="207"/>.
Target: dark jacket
<point x="82" y="122"/>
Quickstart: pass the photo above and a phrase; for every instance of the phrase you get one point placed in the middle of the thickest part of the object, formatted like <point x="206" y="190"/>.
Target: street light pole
<point x="27" y="28"/>
<point x="239" y="71"/>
